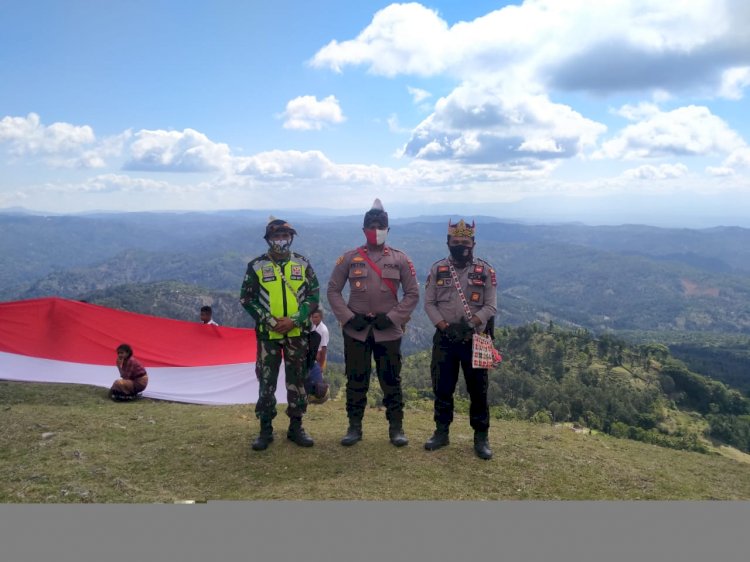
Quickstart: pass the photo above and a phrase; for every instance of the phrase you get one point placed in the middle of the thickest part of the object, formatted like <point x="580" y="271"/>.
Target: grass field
<point x="69" y="443"/>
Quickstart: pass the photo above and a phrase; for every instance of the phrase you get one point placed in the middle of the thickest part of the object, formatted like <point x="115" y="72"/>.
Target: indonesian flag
<point x="63" y="341"/>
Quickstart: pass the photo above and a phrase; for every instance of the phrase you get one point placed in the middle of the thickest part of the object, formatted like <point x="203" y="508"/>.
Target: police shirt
<point x="369" y="294"/>
<point x="478" y="282"/>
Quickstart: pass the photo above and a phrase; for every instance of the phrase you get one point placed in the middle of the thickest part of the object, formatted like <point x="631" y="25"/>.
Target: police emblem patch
<point x="475" y="297"/>
<point x="296" y="274"/>
<point x="268" y="273"/>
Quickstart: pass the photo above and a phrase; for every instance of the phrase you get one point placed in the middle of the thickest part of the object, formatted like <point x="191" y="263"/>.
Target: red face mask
<point x="375" y="236"/>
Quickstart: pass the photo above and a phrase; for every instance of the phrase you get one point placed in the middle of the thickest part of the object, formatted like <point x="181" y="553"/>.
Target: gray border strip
<point x="377" y="531"/>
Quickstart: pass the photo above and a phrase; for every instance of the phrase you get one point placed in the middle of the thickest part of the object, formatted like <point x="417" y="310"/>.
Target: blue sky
<point x="599" y="111"/>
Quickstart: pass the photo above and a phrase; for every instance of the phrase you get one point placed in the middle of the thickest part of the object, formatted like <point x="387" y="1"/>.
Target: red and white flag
<point x="63" y="341"/>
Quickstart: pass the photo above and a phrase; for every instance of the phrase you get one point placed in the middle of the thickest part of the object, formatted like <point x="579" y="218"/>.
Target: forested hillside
<point x="687" y="289"/>
<point x="641" y="392"/>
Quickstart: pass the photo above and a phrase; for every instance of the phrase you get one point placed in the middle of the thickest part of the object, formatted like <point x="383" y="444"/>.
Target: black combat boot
<point x="482" y="445"/>
<point x="396" y="434"/>
<point x="297" y="433"/>
<point x="353" y="434"/>
<point x="266" y="436"/>
<point x="439" y="439"/>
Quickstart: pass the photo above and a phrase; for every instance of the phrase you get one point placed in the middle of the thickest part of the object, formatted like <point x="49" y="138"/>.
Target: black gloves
<point x="459" y="332"/>
<point x="382" y="322"/>
<point x="358" y="322"/>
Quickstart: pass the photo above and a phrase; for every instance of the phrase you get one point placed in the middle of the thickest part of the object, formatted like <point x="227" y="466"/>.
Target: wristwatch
<point x="272" y="322"/>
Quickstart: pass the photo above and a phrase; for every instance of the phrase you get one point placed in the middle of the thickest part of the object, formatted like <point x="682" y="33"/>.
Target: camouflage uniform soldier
<point x="373" y="322"/>
<point x="279" y="291"/>
<point x="452" y="343"/>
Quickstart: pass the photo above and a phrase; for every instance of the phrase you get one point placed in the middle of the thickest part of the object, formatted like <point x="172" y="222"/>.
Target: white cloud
<point x="734" y="81"/>
<point x="661" y="172"/>
<point x="306" y="113"/>
<point x="691" y="130"/>
<point x="279" y="164"/>
<point x="576" y="45"/>
<point x="107" y="183"/>
<point x="27" y="135"/>
<point x="394" y="126"/>
<point x="402" y="38"/>
<point x="643" y="110"/>
<point x="177" y="151"/>
<point x="477" y="124"/>
<point x="720" y="171"/>
<point x="739" y="158"/>
<point x="418" y="95"/>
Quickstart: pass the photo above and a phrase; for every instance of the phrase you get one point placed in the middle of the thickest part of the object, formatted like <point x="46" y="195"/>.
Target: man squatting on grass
<point x="279" y="291"/>
<point x="133" y="378"/>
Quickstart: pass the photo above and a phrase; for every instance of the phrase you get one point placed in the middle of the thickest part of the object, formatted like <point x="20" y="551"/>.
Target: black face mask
<point x="461" y="254"/>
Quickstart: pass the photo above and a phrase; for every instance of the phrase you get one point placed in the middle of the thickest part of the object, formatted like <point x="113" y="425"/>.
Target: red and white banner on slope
<point x="64" y="341"/>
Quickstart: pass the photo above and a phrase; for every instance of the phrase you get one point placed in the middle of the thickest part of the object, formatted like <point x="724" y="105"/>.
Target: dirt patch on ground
<point x="691" y="289"/>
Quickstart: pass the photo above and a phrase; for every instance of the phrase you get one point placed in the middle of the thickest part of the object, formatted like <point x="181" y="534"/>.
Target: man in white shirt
<point x="317" y="389"/>
<point x="206" y="316"/>
<point x="318" y="326"/>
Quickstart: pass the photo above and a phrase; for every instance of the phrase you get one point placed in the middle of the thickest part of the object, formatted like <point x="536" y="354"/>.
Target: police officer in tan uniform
<point x="373" y="322"/>
<point x="452" y="343"/>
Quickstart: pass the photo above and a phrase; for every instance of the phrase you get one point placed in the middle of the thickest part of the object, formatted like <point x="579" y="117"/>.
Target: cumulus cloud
<point x="418" y="94"/>
<point x="306" y="113"/>
<point x="739" y="158"/>
<point x="662" y="172"/>
<point x="686" y="131"/>
<point x="734" y="81"/>
<point x="576" y="45"/>
<point x="27" y="135"/>
<point x="59" y="145"/>
<point x="281" y="164"/>
<point x="177" y="151"/>
<point x="402" y="38"/>
<point x="720" y="171"/>
<point x="110" y="183"/>
<point x="482" y="125"/>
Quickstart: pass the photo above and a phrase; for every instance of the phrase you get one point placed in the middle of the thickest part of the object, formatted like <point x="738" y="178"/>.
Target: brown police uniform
<point x="451" y="349"/>
<point x="370" y="295"/>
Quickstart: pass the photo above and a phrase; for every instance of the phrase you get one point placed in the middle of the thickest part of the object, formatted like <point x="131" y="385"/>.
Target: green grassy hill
<point x="68" y="443"/>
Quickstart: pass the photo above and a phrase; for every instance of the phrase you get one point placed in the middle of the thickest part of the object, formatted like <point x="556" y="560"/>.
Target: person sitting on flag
<point x="133" y="377"/>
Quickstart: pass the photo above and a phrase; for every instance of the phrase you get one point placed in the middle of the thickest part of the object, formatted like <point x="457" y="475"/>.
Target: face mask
<point x="280" y="246"/>
<point x="375" y="236"/>
<point x="460" y="254"/>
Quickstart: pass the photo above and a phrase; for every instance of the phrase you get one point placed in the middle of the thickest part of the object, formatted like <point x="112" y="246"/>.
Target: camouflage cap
<point x="278" y="225"/>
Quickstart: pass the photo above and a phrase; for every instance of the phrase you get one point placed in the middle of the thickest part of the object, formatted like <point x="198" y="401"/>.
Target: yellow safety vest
<point x="281" y="298"/>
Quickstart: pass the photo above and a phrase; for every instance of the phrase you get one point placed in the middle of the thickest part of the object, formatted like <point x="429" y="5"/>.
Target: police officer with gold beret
<point x="373" y="321"/>
<point x="456" y="316"/>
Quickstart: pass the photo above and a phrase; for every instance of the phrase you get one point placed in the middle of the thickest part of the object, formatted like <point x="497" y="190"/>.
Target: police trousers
<point x="447" y="357"/>
<point x="267" y="364"/>
<point x="358" y="357"/>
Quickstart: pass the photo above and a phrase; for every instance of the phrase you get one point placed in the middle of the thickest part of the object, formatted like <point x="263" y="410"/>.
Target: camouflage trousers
<point x="293" y="350"/>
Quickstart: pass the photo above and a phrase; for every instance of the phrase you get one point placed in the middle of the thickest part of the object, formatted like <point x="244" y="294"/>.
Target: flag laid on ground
<point x="64" y="341"/>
